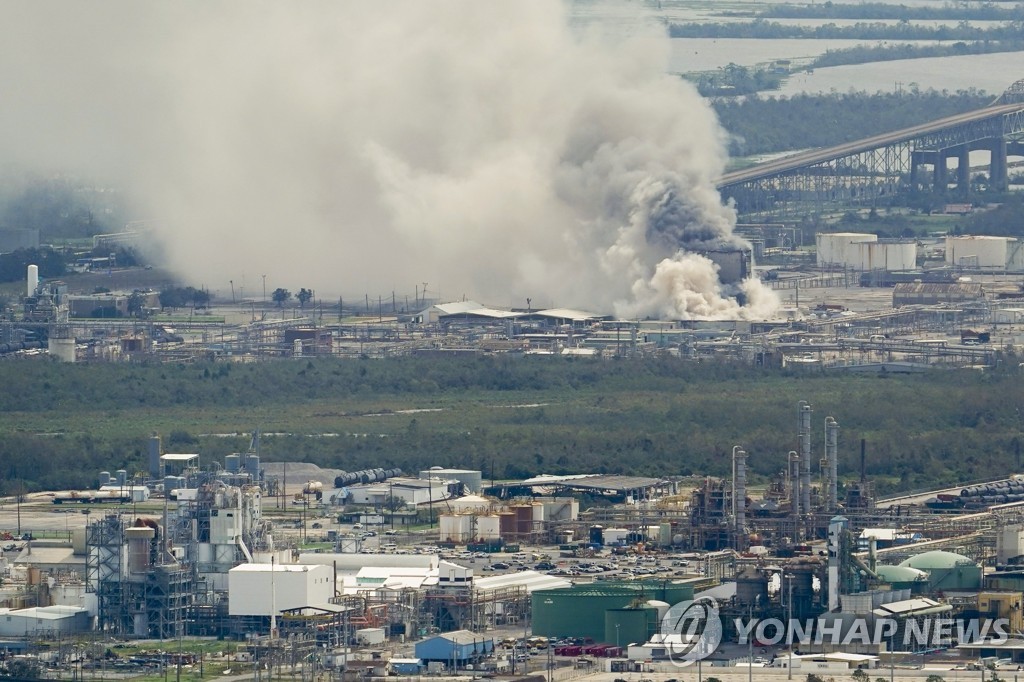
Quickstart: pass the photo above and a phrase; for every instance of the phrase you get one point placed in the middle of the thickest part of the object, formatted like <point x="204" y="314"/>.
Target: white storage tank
<point x="980" y="252"/>
<point x="488" y="527"/>
<point x="890" y="256"/>
<point x="840" y="248"/>
<point x="456" y="527"/>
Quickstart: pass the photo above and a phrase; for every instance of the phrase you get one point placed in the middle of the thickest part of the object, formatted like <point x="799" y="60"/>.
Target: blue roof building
<point x="459" y="647"/>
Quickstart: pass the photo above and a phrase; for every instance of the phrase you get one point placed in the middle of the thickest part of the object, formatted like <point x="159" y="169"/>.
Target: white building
<point x="412" y="491"/>
<point x="43" y="620"/>
<point x="265" y="589"/>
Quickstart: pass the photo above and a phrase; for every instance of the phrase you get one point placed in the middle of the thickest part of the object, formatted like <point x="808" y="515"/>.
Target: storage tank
<point x="232" y="463"/>
<point x="894" y="256"/>
<point x="456" y="527"/>
<point x="252" y="465"/>
<point x="507" y="521"/>
<point x="122" y="477"/>
<point x="104" y="478"/>
<point x="62" y="349"/>
<point x="488" y="527"/>
<point x="977" y="251"/>
<point x="524" y="519"/>
<point x="839" y="248"/>
<point x="623" y="627"/>
<point x="139" y="541"/>
<point x="32" y="280"/>
<point x="751" y="587"/>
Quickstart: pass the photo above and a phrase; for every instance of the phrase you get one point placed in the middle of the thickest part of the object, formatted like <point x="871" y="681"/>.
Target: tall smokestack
<point x="32" y="280"/>
<point x="739" y="495"/>
<point x="805" y="456"/>
<point x="832" y="460"/>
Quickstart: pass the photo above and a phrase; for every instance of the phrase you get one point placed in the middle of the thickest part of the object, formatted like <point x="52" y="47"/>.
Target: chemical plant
<point x="854" y="303"/>
<point x="364" y="566"/>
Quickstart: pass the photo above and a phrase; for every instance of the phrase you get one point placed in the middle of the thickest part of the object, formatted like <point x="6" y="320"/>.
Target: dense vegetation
<point x="897" y="12"/>
<point x="763" y="125"/>
<point x="771" y="30"/>
<point x="866" y="54"/>
<point x="509" y="416"/>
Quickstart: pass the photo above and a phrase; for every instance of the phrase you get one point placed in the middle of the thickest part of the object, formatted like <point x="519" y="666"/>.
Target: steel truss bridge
<point x="870" y="171"/>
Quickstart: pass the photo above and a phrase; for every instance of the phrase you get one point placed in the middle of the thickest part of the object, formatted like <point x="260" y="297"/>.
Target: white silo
<point x="839" y="248"/>
<point x="32" y="280"/>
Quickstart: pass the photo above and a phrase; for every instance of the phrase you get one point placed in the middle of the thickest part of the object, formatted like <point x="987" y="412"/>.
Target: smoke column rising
<point x="486" y="148"/>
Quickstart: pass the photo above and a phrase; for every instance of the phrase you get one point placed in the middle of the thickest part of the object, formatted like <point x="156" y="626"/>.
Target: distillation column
<point x="832" y="464"/>
<point x="805" y="457"/>
<point x="739" y="496"/>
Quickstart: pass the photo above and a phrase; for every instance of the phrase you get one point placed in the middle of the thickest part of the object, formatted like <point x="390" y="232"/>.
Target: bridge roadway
<point x="824" y="154"/>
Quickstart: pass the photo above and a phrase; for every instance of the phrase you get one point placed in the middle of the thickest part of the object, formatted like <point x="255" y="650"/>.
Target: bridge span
<point x="869" y="171"/>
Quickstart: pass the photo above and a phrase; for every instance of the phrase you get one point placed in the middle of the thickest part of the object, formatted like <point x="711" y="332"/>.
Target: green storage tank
<point x="623" y="627"/>
<point x="579" y="611"/>
<point x="576" y="611"/>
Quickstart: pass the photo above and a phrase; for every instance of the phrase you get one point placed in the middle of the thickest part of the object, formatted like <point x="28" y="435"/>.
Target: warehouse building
<point x="44" y="621"/>
<point x="456" y="649"/>
<point x="921" y="293"/>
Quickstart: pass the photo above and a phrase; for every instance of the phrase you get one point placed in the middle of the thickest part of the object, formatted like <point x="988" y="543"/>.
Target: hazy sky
<point x="364" y="147"/>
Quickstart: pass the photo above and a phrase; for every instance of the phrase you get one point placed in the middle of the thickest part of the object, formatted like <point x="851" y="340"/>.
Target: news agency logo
<point x="691" y="630"/>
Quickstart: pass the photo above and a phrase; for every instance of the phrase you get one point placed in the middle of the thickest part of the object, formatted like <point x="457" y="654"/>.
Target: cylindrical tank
<point x="977" y="251"/>
<point x="488" y="527"/>
<point x="232" y="463"/>
<point x="252" y="465"/>
<point x="507" y="523"/>
<point x="623" y="627"/>
<point x="751" y="588"/>
<point x="104" y="478"/>
<point x="122" y="477"/>
<point x="32" y="280"/>
<point x="840" y="248"/>
<point x="139" y="541"/>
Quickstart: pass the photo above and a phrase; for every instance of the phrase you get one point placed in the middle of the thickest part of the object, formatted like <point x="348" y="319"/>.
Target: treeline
<point x="866" y="54"/>
<point x="772" y="30"/>
<point x="508" y="416"/>
<point x="1005" y="220"/>
<point x="764" y="125"/>
<point x="14" y="265"/>
<point x="878" y="10"/>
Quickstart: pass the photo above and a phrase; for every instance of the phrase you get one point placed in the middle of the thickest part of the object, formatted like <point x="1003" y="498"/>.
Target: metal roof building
<point x="459" y="647"/>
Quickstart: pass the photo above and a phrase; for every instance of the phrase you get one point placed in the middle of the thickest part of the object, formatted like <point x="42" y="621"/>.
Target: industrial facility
<point x="193" y="548"/>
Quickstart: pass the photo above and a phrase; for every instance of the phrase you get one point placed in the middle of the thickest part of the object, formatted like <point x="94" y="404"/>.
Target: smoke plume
<point x="486" y="148"/>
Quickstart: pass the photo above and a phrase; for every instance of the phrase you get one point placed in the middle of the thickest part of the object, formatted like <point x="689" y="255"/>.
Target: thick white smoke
<point x="485" y="148"/>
